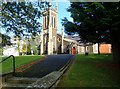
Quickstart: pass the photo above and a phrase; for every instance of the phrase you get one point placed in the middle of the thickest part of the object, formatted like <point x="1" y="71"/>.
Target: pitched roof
<point x="76" y="38"/>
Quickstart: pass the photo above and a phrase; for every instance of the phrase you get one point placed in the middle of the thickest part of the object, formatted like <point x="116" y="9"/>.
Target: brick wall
<point x="105" y="48"/>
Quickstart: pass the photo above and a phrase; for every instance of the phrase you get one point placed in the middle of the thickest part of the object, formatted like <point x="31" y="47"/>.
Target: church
<point x="54" y="43"/>
<point x="50" y="42"/>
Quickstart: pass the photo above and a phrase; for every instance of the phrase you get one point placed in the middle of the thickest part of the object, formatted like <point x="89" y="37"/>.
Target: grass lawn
<point x="6" y="66"/>
<point x="92" y="71"/>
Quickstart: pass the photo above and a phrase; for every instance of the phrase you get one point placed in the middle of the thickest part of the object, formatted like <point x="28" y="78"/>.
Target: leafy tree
<point x="5" y="40"/>
<point x="96" y="23"/>
<point x="18" y="46"/>
<point x="28" y="47"/>
<point x="21" y="17"/>
<point x="24" y="48"/>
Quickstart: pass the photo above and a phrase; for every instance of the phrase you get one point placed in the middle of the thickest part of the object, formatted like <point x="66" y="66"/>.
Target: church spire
<point x="50" y="24"/>
<point x="62" y="47"/>
<point x="50" y="3"/>
<point x="56" y="5"/>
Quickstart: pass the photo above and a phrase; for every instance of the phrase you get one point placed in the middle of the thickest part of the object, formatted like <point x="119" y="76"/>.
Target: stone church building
<point x="50" y="42"/>
<point x="54" y="43"/>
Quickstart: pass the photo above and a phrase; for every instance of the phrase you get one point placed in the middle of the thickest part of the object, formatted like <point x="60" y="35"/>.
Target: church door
<point x="73" y="50"/>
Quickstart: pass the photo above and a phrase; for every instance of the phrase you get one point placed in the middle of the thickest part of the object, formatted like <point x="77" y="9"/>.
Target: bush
<point x="86" y="53"/>
<point x="54" y="52"/>
<point x="1" y="51"/>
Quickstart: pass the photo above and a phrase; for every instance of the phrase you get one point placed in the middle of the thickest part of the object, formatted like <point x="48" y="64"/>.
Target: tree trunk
<point x="116" y="46"/>
<point x="98" y="48"/>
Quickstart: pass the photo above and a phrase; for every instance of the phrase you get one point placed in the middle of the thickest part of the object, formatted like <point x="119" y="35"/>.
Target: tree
<point x="28" y="47"/>
<point x="96" y="23"/>
<point x="21" y="17"/>
<point x="5" y="40"/>
<point x="24" y="48"/>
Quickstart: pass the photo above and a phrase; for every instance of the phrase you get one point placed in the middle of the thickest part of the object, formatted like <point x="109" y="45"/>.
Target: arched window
<point x="45" y="21"/>
<point x="54" y="22"/>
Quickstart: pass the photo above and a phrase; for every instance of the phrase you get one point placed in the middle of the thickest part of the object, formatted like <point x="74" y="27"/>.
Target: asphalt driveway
<point x="44" y="67"/>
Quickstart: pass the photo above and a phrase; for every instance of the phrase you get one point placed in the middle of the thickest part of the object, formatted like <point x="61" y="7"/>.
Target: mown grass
<point x="92" y="71"/>
<point x="7" y="67"/>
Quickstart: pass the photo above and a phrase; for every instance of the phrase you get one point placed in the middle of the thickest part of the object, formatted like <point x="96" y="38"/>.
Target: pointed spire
<point x="56" y="5"/>
<point x="62" y="39"/>
<point x="63" y="31"/>
<point x="50" y="4"/>
<point x="43" y="9"/>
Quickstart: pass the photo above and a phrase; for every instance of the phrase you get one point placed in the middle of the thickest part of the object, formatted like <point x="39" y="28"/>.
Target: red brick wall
<point x="105" y="48"/>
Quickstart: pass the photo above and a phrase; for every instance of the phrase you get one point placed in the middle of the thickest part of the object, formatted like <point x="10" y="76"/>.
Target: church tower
<point x="49" y="29"/>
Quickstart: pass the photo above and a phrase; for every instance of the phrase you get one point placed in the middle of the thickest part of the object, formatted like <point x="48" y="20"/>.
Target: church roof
<point x="70" y="40"/>
<point x="76" y="38"/>
<point x="59" y="34"/>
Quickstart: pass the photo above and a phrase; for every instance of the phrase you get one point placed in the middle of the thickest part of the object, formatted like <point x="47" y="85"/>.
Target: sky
<point x="62" y="12"/>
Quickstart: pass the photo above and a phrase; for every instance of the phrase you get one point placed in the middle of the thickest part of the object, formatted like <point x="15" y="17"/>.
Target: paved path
<point x="44" y="67"/>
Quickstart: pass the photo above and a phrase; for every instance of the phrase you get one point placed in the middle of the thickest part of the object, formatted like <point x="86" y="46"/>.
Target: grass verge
<point x="92" y="71"/>
<point x="6" y="66"/>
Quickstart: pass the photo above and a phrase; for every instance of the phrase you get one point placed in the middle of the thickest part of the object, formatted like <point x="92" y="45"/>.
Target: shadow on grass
<point x="92" y="71"/>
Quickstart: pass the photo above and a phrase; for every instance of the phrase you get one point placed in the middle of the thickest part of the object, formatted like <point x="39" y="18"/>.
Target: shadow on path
<point x="44" y="67"/>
